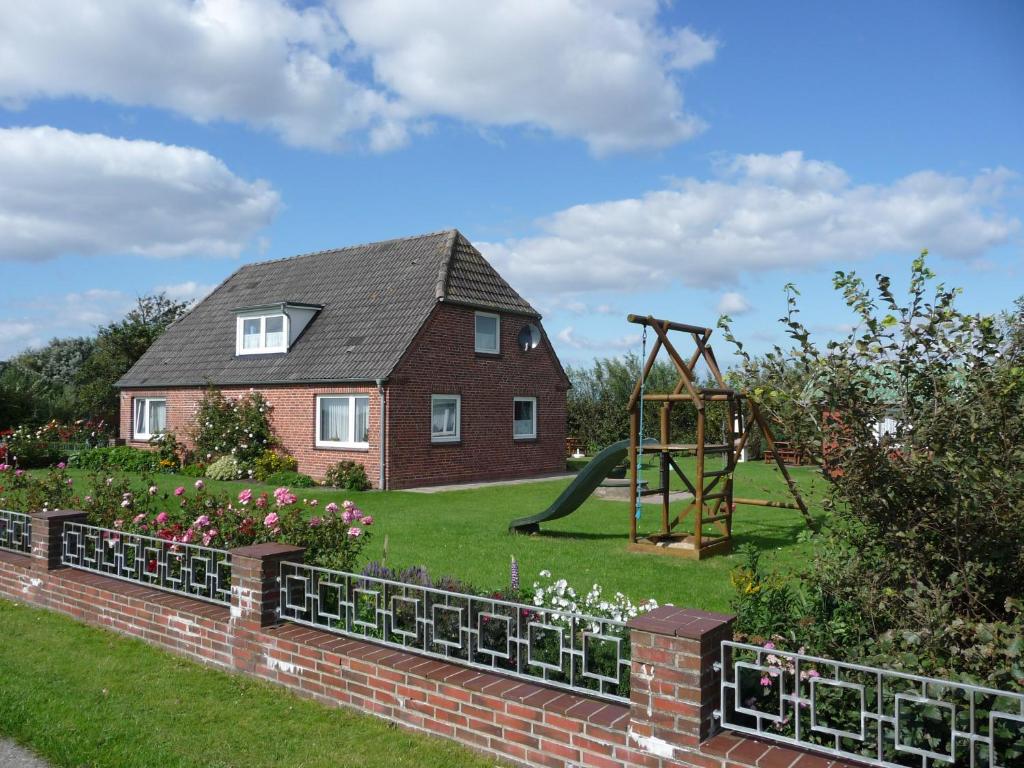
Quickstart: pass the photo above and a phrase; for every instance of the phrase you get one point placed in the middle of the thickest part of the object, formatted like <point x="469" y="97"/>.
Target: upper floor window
<point x="150" y="417"/>
<point x="261" y="334"/>
<point x="343" y="421"/>
<point x="524" y="418"/>
<point x="488" y="333"/>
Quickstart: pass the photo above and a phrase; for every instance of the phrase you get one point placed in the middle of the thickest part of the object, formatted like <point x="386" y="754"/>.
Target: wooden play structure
<point x="712" y="502"/>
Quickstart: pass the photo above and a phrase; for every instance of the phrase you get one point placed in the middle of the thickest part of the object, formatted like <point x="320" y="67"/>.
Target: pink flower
<point x="202" y="521"/>
<point x="313" y="502"/>
<point x="271" y="520"/>
<point x="367" y="520"/>
<point x="61" y="465"/>
<point x="208" y="537"/>
<point x="813" y="673"/>
<point x="348" y="504"/>
<point x="284" y="497"/>
<point x="261" y="502"/>
<point x="152" y="490"/>
<point x="138" y="518"/>
<point x="199" y="485"/>
<point x="347" y="516"/>
<point x="70" y="481"/>
<point x="179" y="490"/>
<point x="766" y="682"/>
<point x="314" y="522"/>
<point x="245" y="496"/>
<point x="162" y="518"/>
<point x="186" y="537"/>
<point x="118" y="523"/>
<point x="355" y="532"/>
<point x="770" y="646"/>
<point x="332" y="507"/>
<point x="20" y="472"/>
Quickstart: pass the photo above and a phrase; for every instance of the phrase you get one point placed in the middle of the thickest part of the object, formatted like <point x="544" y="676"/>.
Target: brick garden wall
<point x="442" y="361"/>
<point x="669" y="722"/>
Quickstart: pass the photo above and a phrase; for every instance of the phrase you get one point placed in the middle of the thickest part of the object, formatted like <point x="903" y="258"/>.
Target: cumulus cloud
<point x="323" y="75"/>
<point x="190" y="290"/>
<point x="763" y="212"/>
<point x="733" y="303"/>
<point x="570" y="338"/>
<point x="63" y="192"/>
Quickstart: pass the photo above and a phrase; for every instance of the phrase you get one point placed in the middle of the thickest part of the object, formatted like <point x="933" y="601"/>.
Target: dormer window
<point x="271" y="328"/>
<point x="487" y="339"/>
<point x="262" y="334"/>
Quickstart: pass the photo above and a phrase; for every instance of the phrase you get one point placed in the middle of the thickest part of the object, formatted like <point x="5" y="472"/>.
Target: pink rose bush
<point x="333" y="538"/>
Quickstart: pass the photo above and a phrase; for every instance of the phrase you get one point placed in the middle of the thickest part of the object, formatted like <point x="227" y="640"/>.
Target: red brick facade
<point x="441" y="360"/>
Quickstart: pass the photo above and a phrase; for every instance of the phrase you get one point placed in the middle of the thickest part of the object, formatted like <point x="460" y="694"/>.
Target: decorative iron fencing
<point x="187" y="569"/>
<point x="15" y="531"/>
<point x="875" y="716"/>
<point x="582" y="653"/>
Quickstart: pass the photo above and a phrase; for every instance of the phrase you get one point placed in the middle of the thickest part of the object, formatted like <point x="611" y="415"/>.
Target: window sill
<point x="363" y="448"/>
<point x="525" y="439"/>
<point x="491" y="355"/>
<point x="442" y="443"/>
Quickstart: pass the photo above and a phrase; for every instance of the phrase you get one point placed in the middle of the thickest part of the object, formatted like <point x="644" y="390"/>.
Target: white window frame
<point x="137" y="433"/>
<point x="458" y="419"/>
<point x="497" y="334"/>
<point x="350" y="444"/>
<point x="532" y="435"/>
<point x="262" y="349"/>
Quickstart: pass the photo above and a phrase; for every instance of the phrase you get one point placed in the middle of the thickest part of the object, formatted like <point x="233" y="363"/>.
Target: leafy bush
<point x="921" y="561"/>
<point x="271" y="462"/>
<point x="349" y="475"/>
<point x="26" y="448"/>
<point x="193" y="470"/>
<point x="224" y="468"/>
<point x="170" y="452"/>
<point x="124" y="458"/>
<point x="294" y="479"/>
<point x="238" y="428"/>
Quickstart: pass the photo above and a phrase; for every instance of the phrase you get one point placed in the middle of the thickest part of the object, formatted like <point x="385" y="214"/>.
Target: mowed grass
<point x="464" y="533"/>
<point x="80" y="696"/>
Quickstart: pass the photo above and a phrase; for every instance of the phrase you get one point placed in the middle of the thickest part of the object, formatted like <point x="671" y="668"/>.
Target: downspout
<point x="382" y="482"/>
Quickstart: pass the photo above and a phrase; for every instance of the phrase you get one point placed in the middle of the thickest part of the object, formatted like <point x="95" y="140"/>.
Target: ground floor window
<point x="445" y="418"/>
<point x="343" y="421"/>
<point x="150" y="417"/>
<point x="524" y="417"/>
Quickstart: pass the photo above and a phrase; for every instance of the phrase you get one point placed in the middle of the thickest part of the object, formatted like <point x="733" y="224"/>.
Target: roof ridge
<point x="351" y="247"/>
<point x="444" y="269"/>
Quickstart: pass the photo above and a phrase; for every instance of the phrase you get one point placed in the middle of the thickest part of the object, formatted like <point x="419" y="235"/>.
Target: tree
<point x="922" y="558"/>
<point x="118" y="347"/>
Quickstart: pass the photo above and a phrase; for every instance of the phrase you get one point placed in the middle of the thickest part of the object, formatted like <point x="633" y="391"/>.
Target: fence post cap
<point x="268" y="551"/>
<point x="68" y="515"/>
<point x="681" y="622"/>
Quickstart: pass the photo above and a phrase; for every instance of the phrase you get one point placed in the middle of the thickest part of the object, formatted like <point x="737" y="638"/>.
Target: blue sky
<point x="608" y="157"/>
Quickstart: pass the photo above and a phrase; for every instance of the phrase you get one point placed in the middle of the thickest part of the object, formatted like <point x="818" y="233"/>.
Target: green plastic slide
<point x="579" y="489"/>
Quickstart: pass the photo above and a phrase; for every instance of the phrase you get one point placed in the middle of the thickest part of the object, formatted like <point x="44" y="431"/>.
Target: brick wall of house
<point x="442" y="361"/>
<point x="293" y="418"/>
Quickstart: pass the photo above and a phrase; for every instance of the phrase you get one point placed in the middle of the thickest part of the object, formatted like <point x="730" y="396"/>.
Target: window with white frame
<point x="259" y="334"/>
<point x="150" y="417"/>
<point x="445" y="418"/>
<point x="488" y="333"/>
<point x="524" y="417"/>
<point x="343" y="421"/>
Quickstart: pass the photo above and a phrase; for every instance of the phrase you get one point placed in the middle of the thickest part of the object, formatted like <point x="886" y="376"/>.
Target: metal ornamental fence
<point x="187" y="569"/>
<point x="871" y="715"/>
<point x="557" y="648"/>
<point x="15" y="531"/>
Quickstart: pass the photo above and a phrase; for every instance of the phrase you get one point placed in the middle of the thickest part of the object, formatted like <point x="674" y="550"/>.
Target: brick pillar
<point x="255" y="594"/>
<point x="674" y="686"/>
<point x="47" y="528"/>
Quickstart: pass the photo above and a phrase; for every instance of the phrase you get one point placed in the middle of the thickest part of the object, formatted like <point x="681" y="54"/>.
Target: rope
<point x="640" y="438"/>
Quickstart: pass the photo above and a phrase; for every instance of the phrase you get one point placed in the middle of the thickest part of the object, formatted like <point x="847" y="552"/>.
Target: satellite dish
<point x="529" y="337"/>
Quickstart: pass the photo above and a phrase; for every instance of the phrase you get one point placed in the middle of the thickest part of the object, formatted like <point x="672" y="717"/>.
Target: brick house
<point x="413" y="357"/>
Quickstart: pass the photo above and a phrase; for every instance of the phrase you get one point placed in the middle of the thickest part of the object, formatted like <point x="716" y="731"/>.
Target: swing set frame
<point x="713" y="502"/>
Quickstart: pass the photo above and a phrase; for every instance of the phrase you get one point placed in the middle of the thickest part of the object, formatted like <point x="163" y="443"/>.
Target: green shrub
<point x="193" y="470"/>
<point x="289" y="478"/>
<point x="349" y="475"/>
<point x="224" y="468"/>
<point x="271" y="462"/>
<point x="169" y="451"/>
<point x="238" y="428"/>
<point x="123" y="458"/>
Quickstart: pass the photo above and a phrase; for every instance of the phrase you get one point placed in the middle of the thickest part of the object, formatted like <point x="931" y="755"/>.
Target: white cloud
<point x="324" y="74"/>
<point x="733" y="303"/>
<point x="570" y="338"/>
<point x="766" y="212"/>
<point x="63" y="192"/>
<point x="190" y="290"/>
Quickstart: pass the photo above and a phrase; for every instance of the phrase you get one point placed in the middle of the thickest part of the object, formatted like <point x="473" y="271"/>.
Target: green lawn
<point x="80" y="696"/>
<point x="464" y="534"/>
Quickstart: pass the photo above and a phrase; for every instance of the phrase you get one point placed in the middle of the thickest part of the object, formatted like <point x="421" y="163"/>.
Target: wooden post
<point x="770" y="441"/>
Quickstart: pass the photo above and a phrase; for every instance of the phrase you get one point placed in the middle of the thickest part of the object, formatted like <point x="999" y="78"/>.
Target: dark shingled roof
<point x="375" y="298"/>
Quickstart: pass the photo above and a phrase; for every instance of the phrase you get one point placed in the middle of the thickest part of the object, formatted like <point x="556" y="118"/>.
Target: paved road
<point x="13" y="756"/>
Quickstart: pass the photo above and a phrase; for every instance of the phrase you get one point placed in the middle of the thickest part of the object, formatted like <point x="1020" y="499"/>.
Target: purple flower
<point x="61" y="465"/>
<point x="201" y="521"/>
<point x="331" y="508"/>
<point x="314" y="522"/>
<point x="245" y="496"/>
<point x="179" y="490"/>
<point x="355" y="533"/>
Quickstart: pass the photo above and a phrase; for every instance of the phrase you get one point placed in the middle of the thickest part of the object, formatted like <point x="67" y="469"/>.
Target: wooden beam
<point x="650" y="321"/>
<point x="770" y="440"/>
